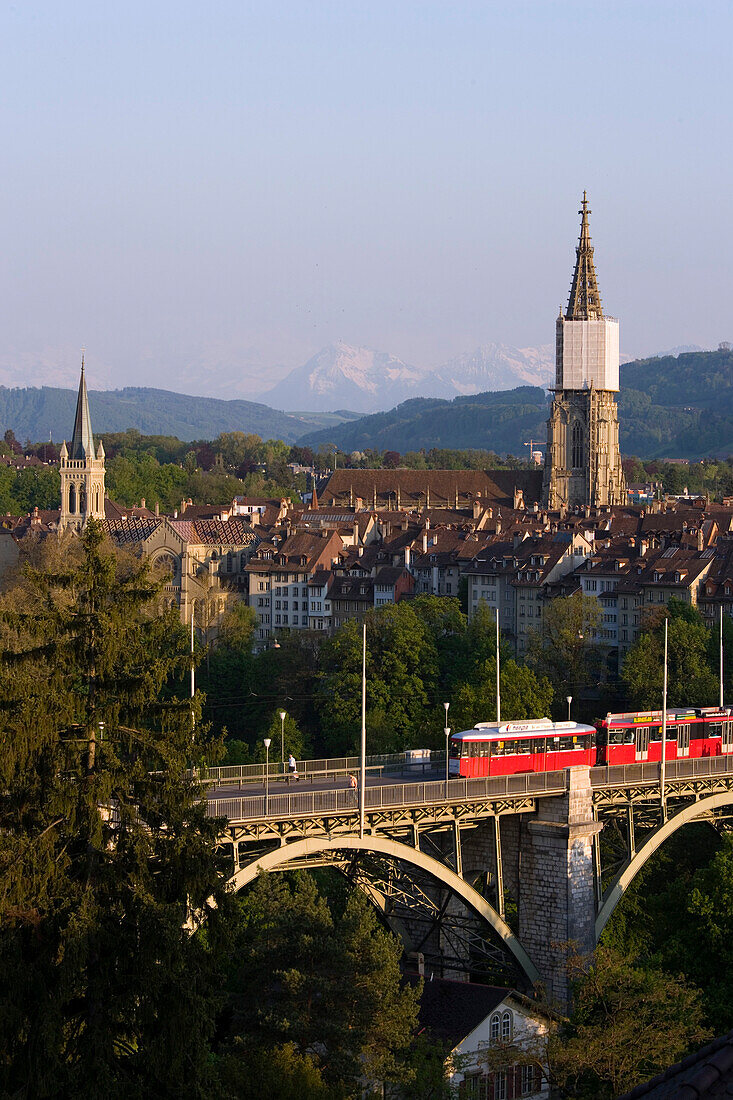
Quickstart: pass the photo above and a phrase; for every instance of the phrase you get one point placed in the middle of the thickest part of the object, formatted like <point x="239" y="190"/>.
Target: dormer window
<point x="657" y="576"/>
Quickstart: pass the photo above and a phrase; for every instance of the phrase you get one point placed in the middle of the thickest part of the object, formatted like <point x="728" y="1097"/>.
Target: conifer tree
<point x="105" y="846"/>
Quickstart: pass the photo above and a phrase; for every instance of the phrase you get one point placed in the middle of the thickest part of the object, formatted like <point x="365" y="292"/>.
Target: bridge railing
<point x="647" y="773"/>
<point x="316" y="803"/>
<point x="416" y="760"/>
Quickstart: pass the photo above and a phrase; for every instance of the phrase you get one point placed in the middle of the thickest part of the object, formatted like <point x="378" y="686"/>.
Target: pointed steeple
<point x="82" y="441"/>
<point x="584" y="303"/>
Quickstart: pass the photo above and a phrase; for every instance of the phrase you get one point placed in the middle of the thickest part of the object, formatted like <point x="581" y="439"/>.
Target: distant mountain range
<point x="342" y="376"/>
<point x="669" y="407"/>
<point x="38" y="414"/>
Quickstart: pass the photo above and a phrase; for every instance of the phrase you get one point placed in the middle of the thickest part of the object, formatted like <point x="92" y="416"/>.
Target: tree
<point x="326" y="981"/>
<point x="565" y="648"/>
<point x="523" y="695"/>
<point x="703" y="910"/>
<point x="402" y="671"/>
<point x="295" y="741"/>
<point x="690" y="679"/>
<point x="629" y="1021"/>
<point x="104" y="839"/>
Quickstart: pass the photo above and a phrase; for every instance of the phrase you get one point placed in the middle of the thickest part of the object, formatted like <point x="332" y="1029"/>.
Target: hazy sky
<point x="204" y="194"/>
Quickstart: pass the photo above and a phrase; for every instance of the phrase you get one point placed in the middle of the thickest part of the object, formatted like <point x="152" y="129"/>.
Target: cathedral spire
<point x="584" y="303"/>
<point x="82" y="441"/>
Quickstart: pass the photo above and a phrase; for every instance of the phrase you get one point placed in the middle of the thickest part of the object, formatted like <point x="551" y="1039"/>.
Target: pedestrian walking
<point x="292" y="767"/>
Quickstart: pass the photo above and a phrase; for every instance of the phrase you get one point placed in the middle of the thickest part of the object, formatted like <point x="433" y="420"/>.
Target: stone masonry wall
<point x="556" y="897"/>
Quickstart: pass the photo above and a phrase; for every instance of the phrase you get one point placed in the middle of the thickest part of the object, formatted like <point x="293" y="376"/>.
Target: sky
<point x="206" y="194"/>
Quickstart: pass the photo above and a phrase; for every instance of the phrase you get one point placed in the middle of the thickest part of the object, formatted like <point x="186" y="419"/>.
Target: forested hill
<point x="36" y="413"/>
<point x="668" y="408"/>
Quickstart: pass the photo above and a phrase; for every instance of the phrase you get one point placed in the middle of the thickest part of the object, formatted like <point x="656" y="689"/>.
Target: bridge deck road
<point x="286" y="785"/>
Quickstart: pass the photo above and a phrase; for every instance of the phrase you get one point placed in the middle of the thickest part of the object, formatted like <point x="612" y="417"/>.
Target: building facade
<point x="583" y="462"/>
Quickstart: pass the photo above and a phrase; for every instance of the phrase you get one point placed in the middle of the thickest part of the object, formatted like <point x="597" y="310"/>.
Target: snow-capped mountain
<point x="361" y="379"/>
<point x="499" y="367"/>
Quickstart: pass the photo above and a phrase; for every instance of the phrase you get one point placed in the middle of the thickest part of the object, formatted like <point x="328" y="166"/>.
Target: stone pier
<point x="556" y="881"/>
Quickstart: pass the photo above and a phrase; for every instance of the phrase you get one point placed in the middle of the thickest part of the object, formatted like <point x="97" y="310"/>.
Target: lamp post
<point x="446" y="731"/>
<point x="193" y="669"/>
<point x="268" y="741"/>
<point x="662" y="760"/>
<point x="282" y="738"/>
<point x="498" y="672"/>
<point x="568" y="700"/>
<point x="362" y="754"/>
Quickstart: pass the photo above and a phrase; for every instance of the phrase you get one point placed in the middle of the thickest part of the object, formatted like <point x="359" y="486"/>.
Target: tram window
<point x="567" y="743"/>
<point x="538" y="744"/>
<point x="524" y="746"/>
<point x="620" y="736"/>
<point x="715" y="729"/>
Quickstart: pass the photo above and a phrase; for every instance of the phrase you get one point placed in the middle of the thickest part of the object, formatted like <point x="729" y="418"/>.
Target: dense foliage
<point x="104" y="840"/>
<point x="420" y="654"/>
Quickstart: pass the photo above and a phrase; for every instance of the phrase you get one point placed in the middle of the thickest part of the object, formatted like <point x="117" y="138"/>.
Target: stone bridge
<point x="482" y="876"/>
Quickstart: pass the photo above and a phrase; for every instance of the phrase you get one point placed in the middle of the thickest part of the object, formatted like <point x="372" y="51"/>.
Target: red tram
<point x="692" y="732"/>
<point x="540" y="745"/>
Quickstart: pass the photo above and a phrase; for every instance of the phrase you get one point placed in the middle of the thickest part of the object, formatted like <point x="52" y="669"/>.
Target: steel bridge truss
<point x="413" y="884"/>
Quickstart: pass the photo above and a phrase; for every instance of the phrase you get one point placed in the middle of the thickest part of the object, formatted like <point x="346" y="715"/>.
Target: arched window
<point x="506" y="1025"/>
<point x="82" y="500"/>
<point x="577" y="446"/>
<point x="72" y="499"/>
<point x="494" y="1026"/>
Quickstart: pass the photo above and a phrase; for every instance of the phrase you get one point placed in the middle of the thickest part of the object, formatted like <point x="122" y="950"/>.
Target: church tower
<point x="82" y="472"/>
<point x="582" y="462"/>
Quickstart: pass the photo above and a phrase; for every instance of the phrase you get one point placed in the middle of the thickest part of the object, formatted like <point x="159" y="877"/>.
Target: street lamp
<point x="446" y="731"/>
<point x="268" y="742"/>
<point x="568" y="699"/>
<point x="282" y="738"/>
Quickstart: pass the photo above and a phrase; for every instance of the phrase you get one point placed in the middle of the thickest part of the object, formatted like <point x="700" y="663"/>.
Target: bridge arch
<point x="628" y="873"/>
<point x="314" y="846"/>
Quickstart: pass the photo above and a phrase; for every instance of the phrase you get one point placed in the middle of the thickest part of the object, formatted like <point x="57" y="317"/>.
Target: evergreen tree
<point x="323" y="978"/>
<point x="105" y="845"/>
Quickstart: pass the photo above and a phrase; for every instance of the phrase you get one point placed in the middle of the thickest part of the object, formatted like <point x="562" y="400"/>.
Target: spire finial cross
<point x="82" y="359"/>
<point x="585" y="211"/>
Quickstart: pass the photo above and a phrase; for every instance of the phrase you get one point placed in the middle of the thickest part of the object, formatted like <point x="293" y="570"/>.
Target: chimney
<point x="142" y="502"/>
<point x="498" y="525"/>
<point x="643" y="547"/>
<point x="183" y="506"/>
<point x="476" y="508"/>
<point x="407" y="557"/>
<point x="425" y="541"/>
<point x="157" y="508"/>
<point x="518" y="498"/>
<point x="700" y="539"/>
<point x="356" y="531"/>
